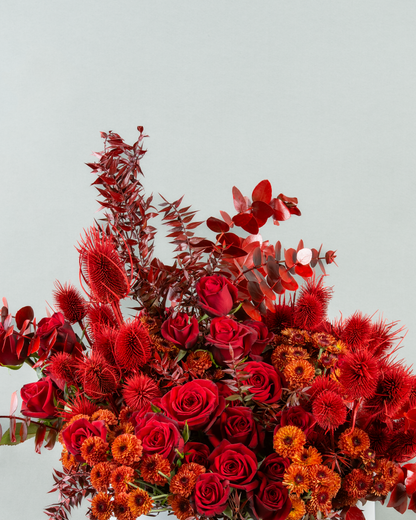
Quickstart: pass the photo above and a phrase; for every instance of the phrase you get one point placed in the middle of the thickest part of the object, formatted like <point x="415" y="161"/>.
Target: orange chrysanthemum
<point x="70" y="302"/>
<point x="323" y="475"/>
<point x="299" y="353"/>
<point x="320" y="501"/>
<point x="199" y="361"/>
<point x="296" y="336"/>
<point x="94" y="450"/>
<point x="120" y="478"/>
<point x="299" y="373"/>
<point x="102" y="267"/>
<point x="127" y="449"/>
<point x="298" y="508"/>
<point x="121" y="508"/>
<point x="101" y="506"/>
<point x="288" y="441"/>
<point x="140" y="502"/>
<point x="296" y="479"/>
<point x="323" y="340"/>
<point x="105" y="415"/>
<point x="139" y="390"/>
<point x="309" y="457"/>
<point x="282" y="354"/>
<point x="389" y="471"/>
<point x="380" y="486"/>
<point x="133" y="346"/>
<point x="125" y="414"/>
<point x="180" y="506"/>
<point x="150" y="466"/>
<point x="100" y="476"/>
<point x="120" y="429"/>
<point x="357" y="483"/>
<point x="68" y="460"/>
<point x="184" y="481"/>
<point x="354" y="442"/>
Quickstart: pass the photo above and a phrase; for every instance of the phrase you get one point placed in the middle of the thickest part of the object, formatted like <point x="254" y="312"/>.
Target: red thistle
<point x="402" y="445"/>
<point x="382" y="337"/>
<point x="321" y="384"/>
<point x="80" y="405"/>
<point x="311" y="307"/>
<point x="105" y="341"/>
<point x="359" y="374"/>
<point x="393" y="390"/>
<point x="70" y="302"/>
<point x="100" y="315"/>
<point x="357" y="331"/>
<point x="102" y="268"/>
<point x="98" y="377"/>
<point x="133" y="346"/>
<point x="62" y="369"/>
<point x="280" y="318"/>
<point x="329" y="410"/>
<point x="139" y="390"/>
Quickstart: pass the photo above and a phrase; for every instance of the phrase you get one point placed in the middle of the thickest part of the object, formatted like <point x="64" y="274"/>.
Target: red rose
<point x="211" y="494"/>
<point x="270" y="501"/>
<point x="159" y="434"/>
<point x="237" y="424"/>
<point x="217" y="295"/>
<point x="181" y="330"/>
<point x="8" y="353"/>
<point x="226" y="333"/>
<point x="76" y="433"/>
<point x="236" y="463"/>
<point x="274" y="466"/>
<point x="65" y="338"/>
<point x="297" y="416"/>
<point x="264" y="337"/>
<point x="265" y="382"/>
<point x="198" y="403"/>
<point x="38" y="399"/>
<point x="196" y="452"/>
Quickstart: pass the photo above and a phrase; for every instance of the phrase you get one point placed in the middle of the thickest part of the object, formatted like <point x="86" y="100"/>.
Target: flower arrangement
<point x="226" y="392"/>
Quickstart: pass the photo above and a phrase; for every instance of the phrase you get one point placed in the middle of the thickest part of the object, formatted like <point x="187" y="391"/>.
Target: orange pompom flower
<point x="354" y="442"/>
<point x="120" y="478"/>
<point x="94" y="450"/>
<point x="181" y="507"/>
<point x="151" y="466"/>
<point x="101" y="506"/>
<point x="298" y="508"/>
<point x="100" y="476"/>
<point x="127" y="449"/>
<point x="121" y="508"/>
<point x="140" y="502"/>
<point x="296" y="479"/>
<point x="289" y="441"/>
<point x="299" y="373"/>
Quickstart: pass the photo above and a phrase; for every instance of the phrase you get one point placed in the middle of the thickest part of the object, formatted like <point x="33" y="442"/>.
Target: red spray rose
<point x="264" y="337"/>
<point x="196" y="452"/>
<point x="65" y="339"/>
<point x="159" y="434"/>
<point x="217" y="295"/>
<point x="38" y="399"/>
<point x="211" y="494"/>
<point x="181" y="330"/>
<point x="198" y="403"/>
<point x="236" y="463"/>
<point x="297" y="416"/>
<point x="76" y="433"/>
<point x="274" y="466"/>
<point x="226" y="333"/>
<point x="265" y="381"/>
<point x="270" y="501"/>
<point x="237" y="424"/>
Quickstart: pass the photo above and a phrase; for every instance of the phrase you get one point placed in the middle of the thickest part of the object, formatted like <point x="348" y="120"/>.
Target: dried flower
<point x="359" y="374"/>
<point x="329" y="410"/>
<point x="98" y="377"/>
<point x="139" y="390"/>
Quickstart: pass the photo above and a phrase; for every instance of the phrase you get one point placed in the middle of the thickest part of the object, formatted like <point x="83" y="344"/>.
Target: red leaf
<point x="412" y="503"/>
<point x="251" y="311"/>
<point x="251" y="227"/>
<point x="267" y="291"/>
<point x="25" y="313"/>
<point x="281" y="211"/>
<point x="23" y="431"/>
<point x="226" y="218"/>
<point x="13" y="429"/>
<point x="257" y="257"/>
<point x="262" y="192"/>
<point x="13" y="403"/>
<point x="262" y="211"/>
<point x="255" y="291"/>
<point x="51" y="440"/>
<point x="217" y="225"/>
<point x="34" y="345"/>
<point x="240" y="202"/>
<point x="39" y="438"/>
<point x="20" y="345"/>
<point x="241" y="219"/>
<point x="278" y="250"/>
<point x="354" y="513"/>
<point x="290" y="257"/>
<point x="304" y="270"/>
<point x="5" y="302"/>
<point x="231" y="239"/>
<point x="272" y="269"/>
<point x="410" y="481"/>
<point x="9" y="332"/>
<point x="398" y="498"/>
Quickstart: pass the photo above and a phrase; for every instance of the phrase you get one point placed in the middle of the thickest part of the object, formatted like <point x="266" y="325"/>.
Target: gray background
<point x="319" y="97"/>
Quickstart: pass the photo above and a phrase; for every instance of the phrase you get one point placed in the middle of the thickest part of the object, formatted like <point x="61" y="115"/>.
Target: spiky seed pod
<point x="100" y="315"/>
<point x="63" y="369"/>
<point x="139" y="390"/>
<point x="311" y="307"/>
<point x="70" y="302"/>
<point x="79" y="405"/>
<point x="281" y="318"/>
<point x="98" y="377"/>
<point x="133" y="346"/>
<point x="359" y="374"/>
<point x="329" y="410"/>
<point x="357" y="331"/>
<point x="102" y="267"/>
<point x="105" y="338"/>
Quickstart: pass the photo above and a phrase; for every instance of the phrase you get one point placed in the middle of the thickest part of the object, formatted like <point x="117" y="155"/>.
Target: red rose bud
<point x="211" y="494"/>
<point x="38" y="399"/>
<point x="76" y="433"/>
<point x="264" y="337"/>
<point x="197" y="403"/>
<point x="270" y="501"/>
<point x="226" y="333"/>
<point x="181" y="330"/>
<point x="265" y="382"/>
<point x="274" y="466"/>
<point x="159" y="435"/>
<point x="196" y="452"/>
<point x="65" y="338"/>
<point x="217" y="295"/>
<point x="236" y="463"/>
